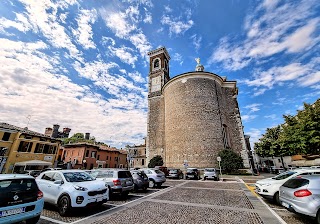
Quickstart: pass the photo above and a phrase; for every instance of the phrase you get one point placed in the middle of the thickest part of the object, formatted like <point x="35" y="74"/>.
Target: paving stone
<point x="213" y="184"/>
<point x="229" y="198"/>
<point x="161" y="213"/>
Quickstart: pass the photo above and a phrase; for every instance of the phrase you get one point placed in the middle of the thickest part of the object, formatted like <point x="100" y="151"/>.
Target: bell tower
<point x="158" y="77"/>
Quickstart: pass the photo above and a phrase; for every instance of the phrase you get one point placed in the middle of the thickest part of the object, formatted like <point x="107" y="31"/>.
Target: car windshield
<point x="77" y="176"/>
<point x="158" y="171"/>
<point x="284" y="175"/>
<point x="209" y="170"/>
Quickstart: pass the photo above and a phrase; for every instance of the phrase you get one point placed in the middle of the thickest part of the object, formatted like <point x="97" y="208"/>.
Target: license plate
<point x="128" y="183"/>
<point x="286" y="205"/>
<point x="12" y="212"/>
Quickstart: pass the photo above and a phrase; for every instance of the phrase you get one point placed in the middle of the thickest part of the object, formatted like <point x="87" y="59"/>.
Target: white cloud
<point x="177" y="57"/>
<point x="125" y="55"/>
<point x="148" y="18"/>
<point x="108" y="40"/>
<point x="196" y="41"/>
<point x="253" y="107"/>
<point x="254" y="134"/>
<point x="303" y="74"/>
<point x="167" y="9"/>
<point x="271" y="116"/>
<point x="42" y="21"/>
<point x="84" y="32"/>
<point x="137" y="77"/>
<point x="176" y="26"/>
<point x="124" y="26"/>
<point x="248" y="118"/>
<point x="286" y="28"/>
<point x="21" y="23"/>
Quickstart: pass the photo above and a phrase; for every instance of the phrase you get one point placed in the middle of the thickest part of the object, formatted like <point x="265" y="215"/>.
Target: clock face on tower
<point x="156" y="84"/>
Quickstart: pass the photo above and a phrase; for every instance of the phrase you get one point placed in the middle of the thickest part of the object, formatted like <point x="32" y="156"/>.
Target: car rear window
<point x="173" y="171"/>
<point x="284" y="175"/>
<point x="102" y="174"/>
<point x="18" y="185"/>
<point x="296" y="183"/>
<point x="124" y="174"/>
<point x="209" y="170"/>
<point x="158" y="171"/>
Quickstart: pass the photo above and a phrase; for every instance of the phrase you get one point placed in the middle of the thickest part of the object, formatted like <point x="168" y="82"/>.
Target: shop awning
<point x="33" y="163"/>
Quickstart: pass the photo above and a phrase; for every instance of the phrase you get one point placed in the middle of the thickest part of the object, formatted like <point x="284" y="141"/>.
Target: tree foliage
<point x="78" y="137"/>
<point x="299" y="134"/>
<point x="155" y="161"/>
<point x="230" y="160"/>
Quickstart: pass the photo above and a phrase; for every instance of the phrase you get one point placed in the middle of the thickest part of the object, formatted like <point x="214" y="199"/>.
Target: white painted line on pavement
<point x="118" y="206"/>
<point x="270" y="209"/>
<point x="52" y="220"/>
<point x="273" y="212"/>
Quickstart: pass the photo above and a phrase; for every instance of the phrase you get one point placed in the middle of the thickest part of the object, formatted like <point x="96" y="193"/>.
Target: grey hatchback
<point x="119" y="181"/>
<point x="302" y="195"/>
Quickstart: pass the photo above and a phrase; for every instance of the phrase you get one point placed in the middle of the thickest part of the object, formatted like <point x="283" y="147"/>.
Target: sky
<point x="84" y="64"/>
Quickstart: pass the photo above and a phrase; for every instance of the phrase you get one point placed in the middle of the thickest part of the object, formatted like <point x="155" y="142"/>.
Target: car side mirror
<point x="59" y="182"/>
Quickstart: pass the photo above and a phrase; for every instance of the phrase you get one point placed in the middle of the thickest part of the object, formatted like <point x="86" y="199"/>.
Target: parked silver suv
<point x="119" y="181"/>
<point x="211" y="173"/>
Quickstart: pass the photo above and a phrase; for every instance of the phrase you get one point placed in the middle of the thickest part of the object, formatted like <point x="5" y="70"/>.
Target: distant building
<point x="192" y="116"/>
<point x="137" y="156"/>
<point x="22" y="149"/>
<point x="55" y="133"/>
<point x="88" y="156"/>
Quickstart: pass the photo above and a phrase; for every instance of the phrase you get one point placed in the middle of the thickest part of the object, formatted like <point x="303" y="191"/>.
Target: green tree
<point x="230" y="160"/>
<point x="301" y="133"/>
<point x="269" y="144"/>
<point x="155" y="161"/>
<point x="78" y="137"/>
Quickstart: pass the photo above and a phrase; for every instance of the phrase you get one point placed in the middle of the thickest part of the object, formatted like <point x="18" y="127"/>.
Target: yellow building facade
<point x="22" y="149"/>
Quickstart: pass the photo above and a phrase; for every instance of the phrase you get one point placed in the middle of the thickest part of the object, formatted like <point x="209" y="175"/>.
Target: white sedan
<point x="71" y="188"/>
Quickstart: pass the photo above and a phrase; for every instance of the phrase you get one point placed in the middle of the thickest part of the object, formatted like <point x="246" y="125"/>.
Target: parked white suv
<point x="269" y="187"/>
<point x="156" y="177"/>
<point x="71" y="188"/>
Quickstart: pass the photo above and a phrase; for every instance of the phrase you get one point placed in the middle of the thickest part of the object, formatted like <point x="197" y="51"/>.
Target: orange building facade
<point x="89" y="156"/>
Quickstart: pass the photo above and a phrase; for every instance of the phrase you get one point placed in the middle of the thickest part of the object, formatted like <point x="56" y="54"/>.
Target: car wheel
<point x="64" y="205"/>
<point x="110" y="193"/>
<point x="215" y="178"/>
<point x="152" y="184"/>
<point x="125" y="194"/>
<point x="204" y="178"/>
<point x="276" y="198"/>
<point x="318" y="217"/>
<point x="135" y="188"/>
<point x="159" y="184"/>
<point x="33" y="220"/>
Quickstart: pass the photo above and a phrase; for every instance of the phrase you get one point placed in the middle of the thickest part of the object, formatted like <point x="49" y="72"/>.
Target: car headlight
<point x="79" y="188"/>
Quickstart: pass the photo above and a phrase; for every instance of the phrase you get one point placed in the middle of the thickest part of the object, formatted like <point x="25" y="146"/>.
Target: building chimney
<point x="66" y="132"/>
<point x="48" y="131"/>
<point x="55" y="131"/>
<point x="87" y="136"/>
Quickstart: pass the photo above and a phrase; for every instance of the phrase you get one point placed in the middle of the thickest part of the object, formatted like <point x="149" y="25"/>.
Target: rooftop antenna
<point x="28" y="117"/>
